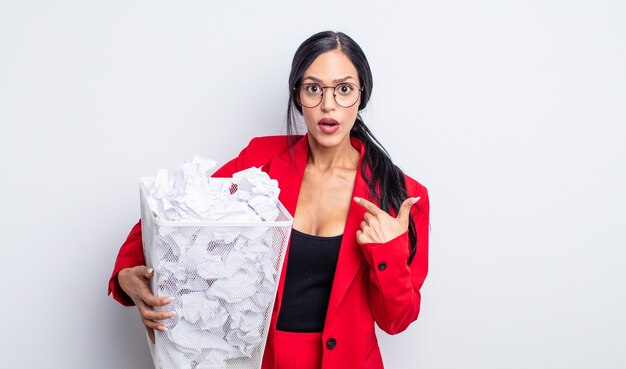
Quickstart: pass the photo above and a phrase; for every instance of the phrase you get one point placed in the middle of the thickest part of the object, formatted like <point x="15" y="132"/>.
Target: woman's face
<point x="328" y="123"/>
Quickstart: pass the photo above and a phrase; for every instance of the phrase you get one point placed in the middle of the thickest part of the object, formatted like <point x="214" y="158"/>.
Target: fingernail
<point x="415" y="200"/>
<point x="357" y="199"/>
<point x="150" y="270"/>
<point x="168" y="300"/>
<point x="171" y="314"/>
<point x="162" y="328"/>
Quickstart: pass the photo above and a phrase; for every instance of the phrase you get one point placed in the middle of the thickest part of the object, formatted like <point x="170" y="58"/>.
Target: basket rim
<point x="213" y="223"/>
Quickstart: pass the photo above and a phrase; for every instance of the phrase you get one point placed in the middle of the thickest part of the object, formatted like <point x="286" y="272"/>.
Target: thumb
<point x="146" y="272"/>
<point x="405" y="210"/>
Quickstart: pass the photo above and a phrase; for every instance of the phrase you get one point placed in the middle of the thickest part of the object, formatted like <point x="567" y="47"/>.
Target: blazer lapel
<point x="350" y="256"/>
<point x="289" y="169"/>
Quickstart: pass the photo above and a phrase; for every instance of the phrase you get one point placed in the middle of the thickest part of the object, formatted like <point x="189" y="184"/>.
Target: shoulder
<point x="414" y="188"/>
<point x="277" y="144"/>
<point x="261" y="150"/>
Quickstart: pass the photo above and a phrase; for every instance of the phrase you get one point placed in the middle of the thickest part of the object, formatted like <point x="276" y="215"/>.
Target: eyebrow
<point x="339" y="80"/>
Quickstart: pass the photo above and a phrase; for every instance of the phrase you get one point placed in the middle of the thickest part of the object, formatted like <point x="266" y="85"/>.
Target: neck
<point x="343" y="155"/>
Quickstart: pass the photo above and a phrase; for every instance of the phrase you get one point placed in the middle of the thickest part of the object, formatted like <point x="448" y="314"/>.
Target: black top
<point x="310" y="271"/>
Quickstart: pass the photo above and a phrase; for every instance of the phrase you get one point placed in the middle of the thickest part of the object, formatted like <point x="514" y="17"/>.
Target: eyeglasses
<point x="311" y="94"/>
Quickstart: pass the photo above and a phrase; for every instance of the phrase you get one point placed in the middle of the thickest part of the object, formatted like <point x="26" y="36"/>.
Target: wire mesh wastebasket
<point x="223" y="278"/>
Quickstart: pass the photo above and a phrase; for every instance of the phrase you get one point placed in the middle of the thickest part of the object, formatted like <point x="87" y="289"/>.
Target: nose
<point x="328" y="100"/>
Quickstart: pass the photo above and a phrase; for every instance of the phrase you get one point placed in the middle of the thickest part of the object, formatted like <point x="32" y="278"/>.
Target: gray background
<point x="511" y="112"/>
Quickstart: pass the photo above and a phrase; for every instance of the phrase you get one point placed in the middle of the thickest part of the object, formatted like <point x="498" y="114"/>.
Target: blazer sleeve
<point x="393" y="286"/>
<point x="131" y="252"/>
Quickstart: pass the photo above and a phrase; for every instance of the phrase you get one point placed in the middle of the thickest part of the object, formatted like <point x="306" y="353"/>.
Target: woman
<point x="358" y="252"/>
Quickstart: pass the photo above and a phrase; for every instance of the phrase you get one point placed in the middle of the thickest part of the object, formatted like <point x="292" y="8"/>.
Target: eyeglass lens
<point x="346" y="94"/>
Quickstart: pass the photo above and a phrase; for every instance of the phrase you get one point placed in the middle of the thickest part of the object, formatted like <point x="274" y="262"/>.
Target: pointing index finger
<point x="369" y="206"/>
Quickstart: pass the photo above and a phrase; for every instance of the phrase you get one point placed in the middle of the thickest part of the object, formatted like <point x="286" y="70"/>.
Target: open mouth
<point x="328" y="125"/>
<point x="329" y="122"/>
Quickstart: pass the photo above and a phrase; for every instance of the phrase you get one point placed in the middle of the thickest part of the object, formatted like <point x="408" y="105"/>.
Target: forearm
<point x="393" y="298"/>
<point x="129" y="256"/>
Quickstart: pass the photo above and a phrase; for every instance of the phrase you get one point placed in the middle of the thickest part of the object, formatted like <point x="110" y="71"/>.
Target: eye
<point x="344" y="89"/>
<point x="312" y="88"/>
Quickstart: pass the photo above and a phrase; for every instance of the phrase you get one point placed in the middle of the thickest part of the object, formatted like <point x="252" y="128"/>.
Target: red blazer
<point x="372" y="282"/>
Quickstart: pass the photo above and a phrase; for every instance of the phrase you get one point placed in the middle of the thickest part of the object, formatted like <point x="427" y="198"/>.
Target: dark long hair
<point x="386" y="183"/>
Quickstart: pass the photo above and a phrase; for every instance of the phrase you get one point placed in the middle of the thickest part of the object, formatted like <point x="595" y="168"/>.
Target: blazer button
<point x="382" y="266"/>
<point x="331" y="343"/>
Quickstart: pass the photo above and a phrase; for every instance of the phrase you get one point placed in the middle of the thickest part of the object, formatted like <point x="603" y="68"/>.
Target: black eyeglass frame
<point x="295" y="88"/>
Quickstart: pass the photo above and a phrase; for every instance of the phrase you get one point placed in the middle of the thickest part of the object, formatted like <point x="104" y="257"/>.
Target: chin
<point x="329" y="140"/>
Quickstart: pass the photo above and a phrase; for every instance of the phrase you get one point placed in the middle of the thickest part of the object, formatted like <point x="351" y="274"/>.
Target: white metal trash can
<point x="223" y="278"/>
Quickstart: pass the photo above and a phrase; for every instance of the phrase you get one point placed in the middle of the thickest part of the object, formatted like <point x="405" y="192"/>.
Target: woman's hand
<point x="378" y="226"/>
<point x="134" y="281"/>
